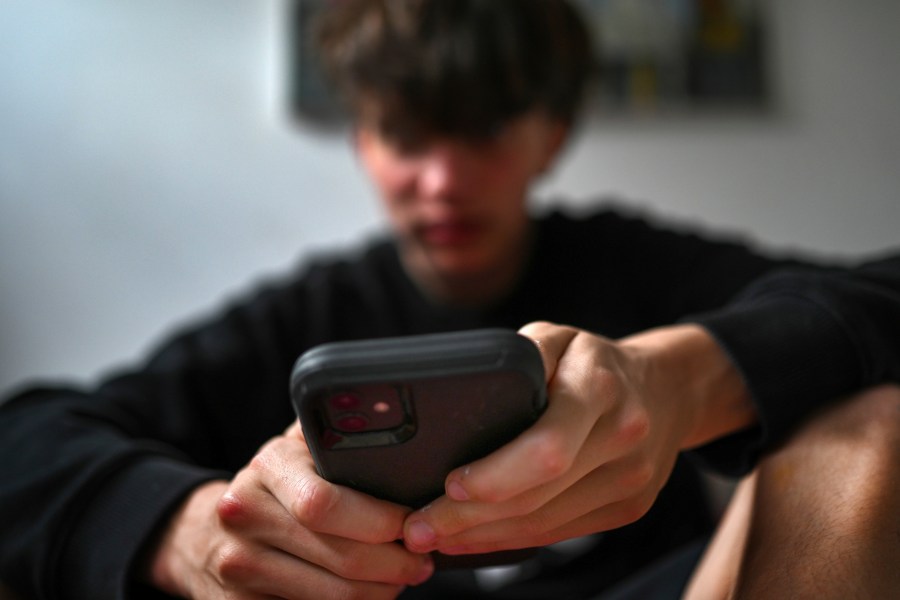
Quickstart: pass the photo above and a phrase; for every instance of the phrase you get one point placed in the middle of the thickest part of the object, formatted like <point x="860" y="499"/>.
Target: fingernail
<point x="456" y="491"/>
<point x="420" y="535"/>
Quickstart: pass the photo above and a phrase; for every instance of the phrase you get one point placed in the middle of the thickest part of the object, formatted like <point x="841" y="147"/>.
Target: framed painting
<point x="652" y="57"/>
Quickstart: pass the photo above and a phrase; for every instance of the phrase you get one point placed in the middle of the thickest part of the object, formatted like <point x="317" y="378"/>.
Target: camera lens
<point x="352" y="422"/>
<point x="345" y="401"/>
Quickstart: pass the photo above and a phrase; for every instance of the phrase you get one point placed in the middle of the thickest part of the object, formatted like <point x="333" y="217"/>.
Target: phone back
<point x="392" y="417"/>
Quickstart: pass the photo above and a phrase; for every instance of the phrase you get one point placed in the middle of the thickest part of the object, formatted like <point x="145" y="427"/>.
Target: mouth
<point x="449" y="232"/>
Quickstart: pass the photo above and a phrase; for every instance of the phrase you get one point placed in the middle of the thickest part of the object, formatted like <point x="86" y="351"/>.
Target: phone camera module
<point x="351" y="422"/>
<point x="345" y="401"/>
<point x="372" y="407"/>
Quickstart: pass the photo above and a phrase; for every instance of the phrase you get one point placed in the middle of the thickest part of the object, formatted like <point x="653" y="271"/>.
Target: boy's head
<point x="456" y="68"/>
<point x="459" y="106"/>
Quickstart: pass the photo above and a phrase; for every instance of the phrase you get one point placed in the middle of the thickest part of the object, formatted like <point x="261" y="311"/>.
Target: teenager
<point x="189" y="476"/>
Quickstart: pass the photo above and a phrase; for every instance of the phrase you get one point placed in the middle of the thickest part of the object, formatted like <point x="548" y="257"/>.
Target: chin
<point x="454" y="264"/>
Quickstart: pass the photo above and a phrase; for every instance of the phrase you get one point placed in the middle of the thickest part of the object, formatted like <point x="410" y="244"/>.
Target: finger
<point x="580" y="391"/>
<point x="286" y="469"/>
<point x="445" y="517"/>
<point x="551" y="340"/>
<point x="269" y="572"/>
<point x="251" y="513"/>
<point x="611" y="516"/>
<point x="615" y="435"/>
<point x="611" y="484"/>
<point x="481" y="523"/>
<point x="541" y="454"/>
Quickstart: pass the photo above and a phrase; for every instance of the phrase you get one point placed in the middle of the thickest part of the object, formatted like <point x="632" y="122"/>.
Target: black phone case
<point x="462" y="395"/>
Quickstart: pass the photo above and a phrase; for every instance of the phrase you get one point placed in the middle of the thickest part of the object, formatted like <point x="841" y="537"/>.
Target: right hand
<point x="278" y="529"/>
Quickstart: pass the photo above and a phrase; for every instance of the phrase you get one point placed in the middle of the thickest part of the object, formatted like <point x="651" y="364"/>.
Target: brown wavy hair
<point x="455" y="67"/>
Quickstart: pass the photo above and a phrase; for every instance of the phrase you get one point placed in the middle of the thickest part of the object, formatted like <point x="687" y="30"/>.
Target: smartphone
<point x="392" y="417"/>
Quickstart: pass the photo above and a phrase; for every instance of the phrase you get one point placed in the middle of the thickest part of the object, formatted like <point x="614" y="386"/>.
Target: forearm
<point x="81" y="507"/>
<point x="685" y="365"/>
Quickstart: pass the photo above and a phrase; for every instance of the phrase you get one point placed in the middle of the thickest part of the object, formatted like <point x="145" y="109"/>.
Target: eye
<point x="496" y="131"/>
<point x="495" y="136"/>
<point x="404" y="141"/>
<point x="406" y="145"/>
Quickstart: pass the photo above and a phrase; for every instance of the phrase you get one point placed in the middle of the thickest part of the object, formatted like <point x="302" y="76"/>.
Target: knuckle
<point x="636" y="427"/>
<point x="550" y="455"/>
<point x="232" y="509"/>
<point x="314" y="499"/>
<point x="638" y="477"/>
<point x="234" y="564"/>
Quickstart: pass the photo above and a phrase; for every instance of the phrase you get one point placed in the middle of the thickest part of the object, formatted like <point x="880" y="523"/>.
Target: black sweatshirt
<point x="89" y="475"/>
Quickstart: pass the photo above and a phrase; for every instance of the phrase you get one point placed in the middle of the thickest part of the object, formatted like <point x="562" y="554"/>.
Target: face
<point x="458" y="207"/>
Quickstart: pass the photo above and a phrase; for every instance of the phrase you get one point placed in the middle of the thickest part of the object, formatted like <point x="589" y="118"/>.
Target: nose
<point x="445" y="172"/>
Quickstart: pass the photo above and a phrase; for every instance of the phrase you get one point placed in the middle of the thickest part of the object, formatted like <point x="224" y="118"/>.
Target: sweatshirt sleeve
<point x="89" y="475"/>
<point x="802" y="338"/>
<point x="78" y="510"/>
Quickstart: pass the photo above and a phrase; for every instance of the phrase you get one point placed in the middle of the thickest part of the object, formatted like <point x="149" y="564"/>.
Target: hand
<point x="279" y="530"/>
<point x="617" y="416"/>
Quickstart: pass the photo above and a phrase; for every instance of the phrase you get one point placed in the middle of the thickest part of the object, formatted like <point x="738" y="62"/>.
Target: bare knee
<point x="817" y="514"/>
<point x="841" y="469"/>
<point x="869" y="420"/>
<point x="825" y="503"/>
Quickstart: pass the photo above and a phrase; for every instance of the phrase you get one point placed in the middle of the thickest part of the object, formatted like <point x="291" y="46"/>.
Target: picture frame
<point x="652" y="57"/>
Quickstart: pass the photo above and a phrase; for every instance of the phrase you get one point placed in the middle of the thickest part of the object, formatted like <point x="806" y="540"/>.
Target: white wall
<point x="146" y="170"/>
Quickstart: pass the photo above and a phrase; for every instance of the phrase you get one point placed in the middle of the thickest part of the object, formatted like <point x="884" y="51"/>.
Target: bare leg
<point x="715" y="575"/>
<point x="820" y="518"/>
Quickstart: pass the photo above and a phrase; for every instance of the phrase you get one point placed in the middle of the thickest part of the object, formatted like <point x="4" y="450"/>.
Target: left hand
<point x="617" y="417"/>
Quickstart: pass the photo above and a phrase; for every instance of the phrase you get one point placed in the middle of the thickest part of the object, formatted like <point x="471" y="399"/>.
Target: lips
<point x="450" y="232"/>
